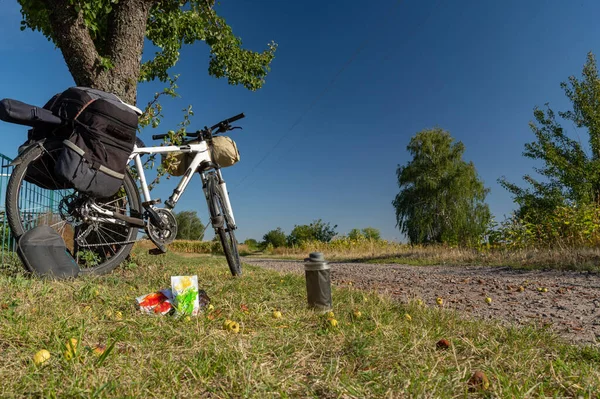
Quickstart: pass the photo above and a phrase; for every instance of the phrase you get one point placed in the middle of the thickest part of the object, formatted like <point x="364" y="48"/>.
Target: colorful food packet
<point x="185" y="295"/>
<point x="160" y="302"/>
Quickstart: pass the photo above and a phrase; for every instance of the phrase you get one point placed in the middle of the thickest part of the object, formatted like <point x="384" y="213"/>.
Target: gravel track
<point x="571" y="306"/>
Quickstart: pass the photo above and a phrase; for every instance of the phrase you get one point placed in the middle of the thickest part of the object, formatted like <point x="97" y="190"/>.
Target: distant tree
<point x="251" y="243"/>
<point x="570" y="175"/>
<point x="441" y="198"/>
<point x="355" y="234"/>
<point x="371" y="233"/>
<point x="316" y="231"/>
<point x="189" y="226"/>
<point x="274" y="237"/>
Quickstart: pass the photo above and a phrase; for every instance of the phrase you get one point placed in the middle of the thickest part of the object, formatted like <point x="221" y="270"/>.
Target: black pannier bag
<point x="45" y="124"/>
<point x="44" y="253"/>
<point x="99" y="131"/>
<point x="94" y="157"/>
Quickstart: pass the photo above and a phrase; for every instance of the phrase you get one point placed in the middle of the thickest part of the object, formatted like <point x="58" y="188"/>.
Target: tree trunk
<point x="123" y="48"/>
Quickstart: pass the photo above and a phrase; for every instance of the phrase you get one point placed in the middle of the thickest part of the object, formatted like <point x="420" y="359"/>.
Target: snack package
<point x="185" y="295"/>
<point x="160" y="302"/>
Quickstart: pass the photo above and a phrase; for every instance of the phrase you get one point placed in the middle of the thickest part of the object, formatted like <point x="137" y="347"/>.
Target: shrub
<point x="274" y="237"/>
<point x="566" y="226"/>
<point x="252" y="244"/>
<point x="316" y="231"/>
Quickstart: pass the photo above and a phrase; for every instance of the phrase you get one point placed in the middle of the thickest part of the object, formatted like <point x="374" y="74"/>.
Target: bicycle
<point x="100" y="233"/>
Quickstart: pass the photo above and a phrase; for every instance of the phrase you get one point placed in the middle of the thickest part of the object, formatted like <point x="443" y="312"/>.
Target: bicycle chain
<point x="108" y="243"/>
<point x="103" y="244"/>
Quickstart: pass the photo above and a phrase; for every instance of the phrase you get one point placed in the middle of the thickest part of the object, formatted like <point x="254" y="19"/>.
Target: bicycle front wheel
<point x="223" y="225"/>
<point x="34" y="197"/>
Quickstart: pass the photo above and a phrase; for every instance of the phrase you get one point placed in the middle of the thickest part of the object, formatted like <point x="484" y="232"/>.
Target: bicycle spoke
<point x="124" y="236"/>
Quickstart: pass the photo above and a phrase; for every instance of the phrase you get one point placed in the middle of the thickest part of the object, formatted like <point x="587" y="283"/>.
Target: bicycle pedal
<point x="157" y="251"/>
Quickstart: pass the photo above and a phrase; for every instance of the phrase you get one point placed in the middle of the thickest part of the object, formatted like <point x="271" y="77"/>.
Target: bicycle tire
<point x="222" y="224"/>
<point x="131" y="200"/>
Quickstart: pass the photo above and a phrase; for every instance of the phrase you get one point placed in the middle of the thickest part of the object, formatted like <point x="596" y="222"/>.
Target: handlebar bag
<point x="176" y="163"/>
<point x="103" y="132"/>
<point x="223" y="151"/>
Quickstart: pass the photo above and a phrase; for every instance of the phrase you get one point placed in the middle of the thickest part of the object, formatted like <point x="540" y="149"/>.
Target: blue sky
<point x="475" y="68"/>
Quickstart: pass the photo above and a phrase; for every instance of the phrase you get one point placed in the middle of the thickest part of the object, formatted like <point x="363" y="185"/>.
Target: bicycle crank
<point x="162" y="236"/>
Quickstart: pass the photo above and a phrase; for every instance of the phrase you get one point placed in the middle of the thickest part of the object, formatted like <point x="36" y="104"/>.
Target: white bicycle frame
<point x="202" y="155"/>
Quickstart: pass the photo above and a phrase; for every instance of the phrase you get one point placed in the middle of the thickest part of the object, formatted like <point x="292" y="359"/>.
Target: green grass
<point x="379" y="355"/>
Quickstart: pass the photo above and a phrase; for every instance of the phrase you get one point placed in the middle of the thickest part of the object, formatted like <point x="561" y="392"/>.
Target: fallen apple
<point x="277" y="314"/>
<point x="442" y="344"/>
<point x="234" y="327"/>
<point x="41" y="357"/>
<point x="99" y="350"/>
<point x="478" y="381"/>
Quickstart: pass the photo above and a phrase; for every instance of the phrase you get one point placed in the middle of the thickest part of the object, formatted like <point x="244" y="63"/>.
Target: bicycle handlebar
<point x="228" y="121"/>
<point x="223" y="124"/>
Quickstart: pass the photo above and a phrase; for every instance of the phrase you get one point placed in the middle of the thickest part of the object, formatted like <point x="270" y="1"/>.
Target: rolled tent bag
<point x="18" y="112"/>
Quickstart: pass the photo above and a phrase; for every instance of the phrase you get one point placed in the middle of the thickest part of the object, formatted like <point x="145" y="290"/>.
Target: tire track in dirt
<point x="571" y="306"/>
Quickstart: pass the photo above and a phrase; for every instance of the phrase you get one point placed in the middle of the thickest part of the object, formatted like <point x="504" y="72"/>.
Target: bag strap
<point x="54" y="102"/>
<point x="86" y="133"/>
<point x="84" y="107"/>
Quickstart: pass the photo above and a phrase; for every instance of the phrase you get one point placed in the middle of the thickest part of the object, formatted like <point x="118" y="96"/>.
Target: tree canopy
<point x="102" y="40"/>
<point x="315" y="231"/>
<point x="570" y="172"/>
<point x="189" y="226"/>
<point x="275" y="237"/>
<point x="441" y="198"/>
<point x="370" y="233"/>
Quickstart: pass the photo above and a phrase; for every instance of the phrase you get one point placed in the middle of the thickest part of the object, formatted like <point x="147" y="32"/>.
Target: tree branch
<point x="74" y="40"/>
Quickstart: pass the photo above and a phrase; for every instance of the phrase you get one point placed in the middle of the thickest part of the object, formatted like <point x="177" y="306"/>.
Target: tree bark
<point x="74" y="40"/>
<point x="125" y="42"/>
<point x="124" y="45"/>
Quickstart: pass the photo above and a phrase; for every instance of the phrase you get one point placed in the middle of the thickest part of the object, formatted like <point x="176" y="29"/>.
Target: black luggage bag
<point x="44" y="253"/>
<point x="98" y="133"/>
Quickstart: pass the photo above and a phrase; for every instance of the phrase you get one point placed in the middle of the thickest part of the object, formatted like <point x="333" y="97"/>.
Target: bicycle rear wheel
<point x="34" y="197"/>
<point x="223" y="225"/>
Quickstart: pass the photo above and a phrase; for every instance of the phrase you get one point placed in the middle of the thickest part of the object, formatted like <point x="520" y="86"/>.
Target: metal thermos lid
<point x="315" y="261"/>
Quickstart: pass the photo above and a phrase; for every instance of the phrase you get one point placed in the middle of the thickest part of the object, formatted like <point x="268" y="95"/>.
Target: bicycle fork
<point x="222" y="189"/>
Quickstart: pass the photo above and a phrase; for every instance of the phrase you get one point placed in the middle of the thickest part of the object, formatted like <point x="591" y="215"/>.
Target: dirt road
<point x="571" y="304"/>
